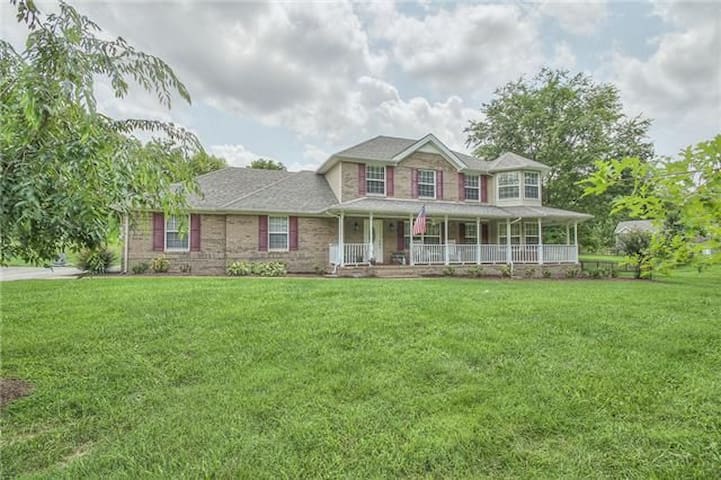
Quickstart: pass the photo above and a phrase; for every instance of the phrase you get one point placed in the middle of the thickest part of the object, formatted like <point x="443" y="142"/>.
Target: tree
<point x="682" y="197"/>
<point x="635" y="245"/>
<point x="69" y="173"/>
<point x="202" y="162"/>
<point x="266" y="164"/>
<point x="566" y="122"/>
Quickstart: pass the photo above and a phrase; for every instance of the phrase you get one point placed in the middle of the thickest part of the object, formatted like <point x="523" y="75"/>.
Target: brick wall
<point x="227" y="238"/>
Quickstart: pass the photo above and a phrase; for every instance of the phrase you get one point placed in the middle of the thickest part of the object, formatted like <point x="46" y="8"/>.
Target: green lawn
<point x="306" y="378"/>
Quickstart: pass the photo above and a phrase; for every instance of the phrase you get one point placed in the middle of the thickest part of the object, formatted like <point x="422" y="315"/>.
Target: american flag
<point x="419" y="226"/>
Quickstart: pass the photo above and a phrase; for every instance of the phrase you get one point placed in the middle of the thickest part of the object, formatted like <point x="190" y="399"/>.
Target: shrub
<point x="160" y="264"/>
<point x="572" y="273"/>
<point x="530" y="272"/>
<point x="239" y="269"/>
<point x="475" y="271"/>
<point x="185" y="268"/>
<point x="449" y="271"/>
<point x="547" y="274"/>
<point x="267" y="269"/>
<point x="96" y="260"/>
<point x="506" y="271"/>
<point x="140" y="268"/>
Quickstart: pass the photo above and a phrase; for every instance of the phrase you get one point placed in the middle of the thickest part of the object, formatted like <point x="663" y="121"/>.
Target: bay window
<point x="531" y="186"/>
<point x="509" y="185"/>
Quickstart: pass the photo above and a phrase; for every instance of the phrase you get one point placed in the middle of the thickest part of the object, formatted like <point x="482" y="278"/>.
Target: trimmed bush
<point x="261" y="269"/>
<point x="96" y="260"/>
<point x="140" y="268"/>
<point x="475" y="271"/>
<point x="160" y="264"/>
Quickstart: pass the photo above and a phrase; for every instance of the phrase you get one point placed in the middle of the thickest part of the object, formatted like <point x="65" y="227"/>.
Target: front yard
<point x="274" y="378"/>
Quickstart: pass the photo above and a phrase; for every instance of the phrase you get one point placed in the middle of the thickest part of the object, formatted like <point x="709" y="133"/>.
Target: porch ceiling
<point x="385" y="206"/>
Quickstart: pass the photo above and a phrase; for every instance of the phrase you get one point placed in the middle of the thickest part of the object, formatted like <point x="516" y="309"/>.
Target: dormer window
<point x="531" y="185"/>
<point x="375" y="180"/>
<point x="509" y="185"/>
<point x="427" y="183"/>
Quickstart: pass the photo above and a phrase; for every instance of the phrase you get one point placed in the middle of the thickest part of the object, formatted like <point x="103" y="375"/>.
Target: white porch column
<point x="509" y="258"/>
<point x="540" y="243"/>
<point x="568" y="235"/>
<point x="575" y="241"/>
<point x="410" y="239"/>
<point x="370" y="237"/>
<point x="445" y="233"/>
<point x="478" y="240"/>
<point x="341" y="239"/>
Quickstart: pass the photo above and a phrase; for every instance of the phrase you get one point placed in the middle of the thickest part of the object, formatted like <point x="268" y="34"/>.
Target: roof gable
<point x="513" y="161"/>
<point x="430" y="142"/>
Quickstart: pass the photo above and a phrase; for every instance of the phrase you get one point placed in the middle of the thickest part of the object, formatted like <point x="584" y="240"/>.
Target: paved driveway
<point x="8" y="274"/>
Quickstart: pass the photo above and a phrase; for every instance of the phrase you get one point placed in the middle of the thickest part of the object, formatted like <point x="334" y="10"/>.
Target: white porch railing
<point x="435" y="254"/>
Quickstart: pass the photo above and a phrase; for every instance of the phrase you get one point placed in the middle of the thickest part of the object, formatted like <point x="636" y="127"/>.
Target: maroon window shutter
<point x="195" y="233"/>
<point x="439" y="185"/>
<point x="414" y="183"/>
<point x="263" y="233"/>
<point x="484" y="188"/>
<point x="390" y="173"/>
<point x="361" y="179"/>
<point x="158" y="232"/>
<point x="484" y="234"/>
<point x="461" y="187"/>
<point x="461" y="232"/>
<point x="293" y="227"/>
<point x="401" y="237"/>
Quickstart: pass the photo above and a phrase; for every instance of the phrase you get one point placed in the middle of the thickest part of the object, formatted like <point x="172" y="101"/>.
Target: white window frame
<point x="526" y="235"/>
<point x="469" y="226"/>
<point x="435" y="180"/>
<point x="421" y="239"/>
<point x="537" y="185"/>
<point x="376" y="180"/>
<point x="177" y="230"/>
<point x="500" y="186"/>
<point x="271" y="232"/>
<point x="477" y="187"/>
<point x="514" y="234"/>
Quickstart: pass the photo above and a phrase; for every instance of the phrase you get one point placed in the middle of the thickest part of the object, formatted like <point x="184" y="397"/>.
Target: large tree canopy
<point x="566" y="122"/>
<point x="69" y="173"/>
<point x="682" y="196"/>
<point x="266" y="164"/>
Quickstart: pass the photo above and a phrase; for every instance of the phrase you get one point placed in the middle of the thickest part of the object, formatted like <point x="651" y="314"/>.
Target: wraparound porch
<point x="376" y="240"/>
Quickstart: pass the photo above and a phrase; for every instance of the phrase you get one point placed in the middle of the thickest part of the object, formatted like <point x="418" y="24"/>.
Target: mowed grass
<point x="313" y="378"/>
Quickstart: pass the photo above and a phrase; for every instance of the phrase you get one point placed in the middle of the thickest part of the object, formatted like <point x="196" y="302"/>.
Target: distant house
<point x="634" y="226"/>
<point x="359" y="208"/>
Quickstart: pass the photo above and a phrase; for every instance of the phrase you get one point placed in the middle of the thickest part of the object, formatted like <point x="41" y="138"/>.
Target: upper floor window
<point x="376" y="180"/>
<point x="509" y="185"/>
<point x="472" y="187"/>
<point x="278" y="233"/>
<point x="427" y="183"/>
<point x="531" y="184"/>
<point x="175" y="239"/>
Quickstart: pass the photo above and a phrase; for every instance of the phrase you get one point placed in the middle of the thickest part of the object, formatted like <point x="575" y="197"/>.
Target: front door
<point x="377" y="238"/>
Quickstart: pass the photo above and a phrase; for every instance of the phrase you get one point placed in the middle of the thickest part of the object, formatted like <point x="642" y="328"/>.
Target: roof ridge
<point x="264" y="187"/>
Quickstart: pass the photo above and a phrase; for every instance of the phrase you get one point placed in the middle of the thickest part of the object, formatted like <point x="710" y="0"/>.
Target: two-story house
<point x="358" y="209"/>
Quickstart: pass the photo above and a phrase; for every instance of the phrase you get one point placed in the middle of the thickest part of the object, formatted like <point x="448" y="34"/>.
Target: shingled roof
<point x="256" y="190"/>
<point x="384" y="149"/>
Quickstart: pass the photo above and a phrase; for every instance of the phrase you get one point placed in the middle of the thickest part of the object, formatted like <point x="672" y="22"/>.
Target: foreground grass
<point x="301" y="378"/>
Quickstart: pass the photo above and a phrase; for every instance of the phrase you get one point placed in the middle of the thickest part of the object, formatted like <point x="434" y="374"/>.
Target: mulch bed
<point x="12" y="389"/>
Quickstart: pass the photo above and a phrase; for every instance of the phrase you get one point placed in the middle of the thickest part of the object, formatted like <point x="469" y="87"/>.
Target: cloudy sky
<point x="297" y="81"/>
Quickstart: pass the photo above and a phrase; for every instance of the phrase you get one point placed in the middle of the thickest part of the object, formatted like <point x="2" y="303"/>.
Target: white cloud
<point x="464" y="49"/>
<point x="576" y="17"/>
<point x="679" y="85"/>
<point x="563" y="57"/>
<point x="236" y="155"/>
